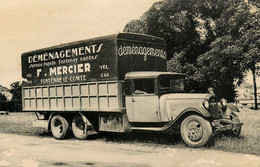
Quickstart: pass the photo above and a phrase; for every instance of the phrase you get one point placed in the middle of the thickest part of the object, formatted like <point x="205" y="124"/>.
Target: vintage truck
<point x="118" y="83"/>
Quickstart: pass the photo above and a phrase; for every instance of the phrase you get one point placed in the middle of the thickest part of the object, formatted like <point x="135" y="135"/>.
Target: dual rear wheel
<point x="60" y="127"/>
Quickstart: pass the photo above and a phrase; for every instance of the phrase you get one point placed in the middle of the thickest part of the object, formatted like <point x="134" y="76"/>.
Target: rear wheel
<point x="59" y="127"/>
<point x="80" y="127"/>
<point x="195" y="131"/>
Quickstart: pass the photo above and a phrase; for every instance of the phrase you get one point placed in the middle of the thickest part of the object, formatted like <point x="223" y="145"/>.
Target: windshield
<point x="169" y="83"/>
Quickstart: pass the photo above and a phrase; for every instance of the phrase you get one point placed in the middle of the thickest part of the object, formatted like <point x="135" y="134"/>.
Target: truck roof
<point x="98" y="59"/>
<point x="119" y="36"/>
<point x="150" y="74"/>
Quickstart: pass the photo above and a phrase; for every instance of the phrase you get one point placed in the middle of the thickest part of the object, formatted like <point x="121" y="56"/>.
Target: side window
<point x="129" y="87"/>
<point x="143" y="86"/>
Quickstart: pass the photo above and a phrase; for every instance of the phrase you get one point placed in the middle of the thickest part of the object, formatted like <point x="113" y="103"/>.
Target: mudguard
<point x="197" y="110"/>
<point x="200" y="110"/>
<point x="49" y="121"/>
<point x="232" y="108"/>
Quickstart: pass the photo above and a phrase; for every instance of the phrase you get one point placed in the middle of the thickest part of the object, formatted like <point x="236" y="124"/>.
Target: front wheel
<point x="236" y="131"/>
<point x="195" y="131"/>
<point x="59" y="127"/>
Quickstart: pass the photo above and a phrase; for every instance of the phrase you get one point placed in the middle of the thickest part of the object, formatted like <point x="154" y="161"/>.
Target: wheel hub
<point x="81" y="125"/>
<point x="194" y="131"/>
<point x="60" y="128"/>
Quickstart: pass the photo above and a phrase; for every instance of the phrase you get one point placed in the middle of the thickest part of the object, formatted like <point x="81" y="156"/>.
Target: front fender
<point x="199" y="110"/>
<point x="183" y="114"/>
<point x="229" y="110"/>
<point x="172" y="116"/>
<point x="232" y="108"/>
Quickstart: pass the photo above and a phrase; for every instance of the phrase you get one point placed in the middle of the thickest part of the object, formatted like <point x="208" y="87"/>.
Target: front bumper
<point x="221" y="125"/>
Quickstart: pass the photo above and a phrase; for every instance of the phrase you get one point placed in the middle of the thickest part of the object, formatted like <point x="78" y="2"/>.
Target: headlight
<point x="223" y="102"/>
<point x="206" y="104"/>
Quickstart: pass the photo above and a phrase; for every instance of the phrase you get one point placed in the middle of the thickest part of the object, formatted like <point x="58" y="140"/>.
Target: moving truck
<point x="118" y="83"/>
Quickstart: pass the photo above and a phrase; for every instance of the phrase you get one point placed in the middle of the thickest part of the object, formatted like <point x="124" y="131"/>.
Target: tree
<point x="2" y="98"/>
<point x="201" y="38"/>
<point x="136" y="26"/>
<point x="237" y="49"/>
<point x="221" y="66"/>
<point x="188" y="26"/>
<point x="256" y="3"/>
<point x="17" y="96"/>
<point x="250" y="44"/>
<point x="3" y="101"/>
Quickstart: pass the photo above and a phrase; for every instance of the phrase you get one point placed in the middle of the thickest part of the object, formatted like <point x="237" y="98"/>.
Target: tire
<point x="59" y="127"/>
<point x="195" y="131"/>
<point x="236" y="132"/>
<point x="79" y="127"/>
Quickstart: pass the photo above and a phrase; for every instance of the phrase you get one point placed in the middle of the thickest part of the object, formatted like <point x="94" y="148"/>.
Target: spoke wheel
<point x="59" y="127"/>
<point x="80" y="127"/>
<point x="195" y="131"/>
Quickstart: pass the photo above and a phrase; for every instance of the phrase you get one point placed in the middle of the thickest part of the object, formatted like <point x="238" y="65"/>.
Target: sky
<point x="27" y="25"/>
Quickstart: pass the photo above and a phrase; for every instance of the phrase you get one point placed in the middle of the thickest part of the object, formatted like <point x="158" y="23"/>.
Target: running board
<point x="158" y="129"/>
<point x="148" y="129"/>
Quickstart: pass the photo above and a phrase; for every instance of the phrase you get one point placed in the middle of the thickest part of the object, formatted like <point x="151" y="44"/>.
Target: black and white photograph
<point x="130" y="83"/>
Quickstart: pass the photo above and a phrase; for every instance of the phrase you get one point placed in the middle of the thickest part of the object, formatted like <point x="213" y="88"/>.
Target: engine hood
<point x="173" y="104"/>
<point x="173" y="96"/>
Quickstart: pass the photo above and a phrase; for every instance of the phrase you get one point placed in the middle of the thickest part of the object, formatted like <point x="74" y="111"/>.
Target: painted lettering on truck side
<point x="67" y="65"/>
<point x="141" y="51"/>
<point x="90" y="60"/>
<point x="68" y="53"/>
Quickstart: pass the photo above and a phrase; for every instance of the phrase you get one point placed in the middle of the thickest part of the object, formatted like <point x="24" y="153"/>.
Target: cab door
<point x="142" y="104"/>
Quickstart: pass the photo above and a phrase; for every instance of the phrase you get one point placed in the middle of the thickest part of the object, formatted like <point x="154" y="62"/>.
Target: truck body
<point x="117" y="83"/>
<point x="87" y="75"/>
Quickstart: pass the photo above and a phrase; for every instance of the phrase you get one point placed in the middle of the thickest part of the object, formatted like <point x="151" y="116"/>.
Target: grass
<point x="20" y="123"/>
<point x="248" y="142"/>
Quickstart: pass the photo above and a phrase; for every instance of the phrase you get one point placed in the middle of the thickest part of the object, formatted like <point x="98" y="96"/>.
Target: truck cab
<point x="144" y="91"/>
<point x="157" y="101"/>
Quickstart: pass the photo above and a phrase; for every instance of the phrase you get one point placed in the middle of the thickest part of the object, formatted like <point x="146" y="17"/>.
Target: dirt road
<point x="34" y="151"/>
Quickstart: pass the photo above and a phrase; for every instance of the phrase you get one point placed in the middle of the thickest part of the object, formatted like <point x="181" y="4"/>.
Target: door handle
<point x="133" y="100"/>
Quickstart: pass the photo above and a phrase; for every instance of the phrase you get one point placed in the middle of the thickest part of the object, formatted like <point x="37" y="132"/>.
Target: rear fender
<point x="49" y="120"/>
<point x="89" y="127"/>
<point x="84" y="118"/>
